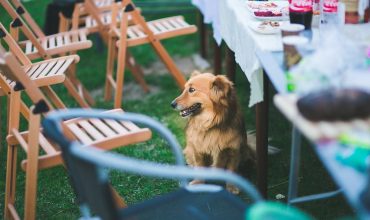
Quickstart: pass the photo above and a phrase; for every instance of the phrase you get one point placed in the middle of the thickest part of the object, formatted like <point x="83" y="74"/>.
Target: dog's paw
<point x="233" y="189"/>
<point x="196" y="182"/>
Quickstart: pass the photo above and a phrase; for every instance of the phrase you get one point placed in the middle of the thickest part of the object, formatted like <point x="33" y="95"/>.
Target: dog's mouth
<point x="191" y="110"/>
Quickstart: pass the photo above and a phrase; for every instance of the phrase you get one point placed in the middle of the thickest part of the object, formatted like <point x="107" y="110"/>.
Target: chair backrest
<point x="19" y="22"/>
<point x="88" y="166"/>
<point x="13" y="46"/>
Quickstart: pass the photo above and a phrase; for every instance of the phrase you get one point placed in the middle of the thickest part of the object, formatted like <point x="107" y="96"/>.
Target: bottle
<point x="329" y="12"/>
<point x="300" y="12"/>
<point x="351" y="14"/>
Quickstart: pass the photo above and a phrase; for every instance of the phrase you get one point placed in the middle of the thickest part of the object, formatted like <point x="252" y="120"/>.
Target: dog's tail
<point x="252" y="144"/>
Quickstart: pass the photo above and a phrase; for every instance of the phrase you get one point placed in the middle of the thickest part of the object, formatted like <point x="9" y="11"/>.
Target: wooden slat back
<point x="14" y="47"/>
<point x="25" y="29"/>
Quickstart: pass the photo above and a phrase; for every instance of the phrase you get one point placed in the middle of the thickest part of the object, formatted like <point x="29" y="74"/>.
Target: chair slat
<point x="103" y="127"/>
<point x="116" y="126"/>
<point x="64" y="67"/>
<point x="153" y="28"/>
<point x="45" y="145"/>
<point x="56" y="67"/>
<point x="93" y="132"/>
<point x="79" y="133"/>
<point x="59" y="41"/>
<point x="29" y="47"/>
<point x="47" y="69"/>
<point x="51" y="41"/>
<point x="167" y="25"/>
<point x="38" y="71"/>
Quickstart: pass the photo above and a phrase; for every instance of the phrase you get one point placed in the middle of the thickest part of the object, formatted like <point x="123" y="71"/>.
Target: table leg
<point x="217" y="61"/>
<point x="230" y="64"/>
<point x="262" y="138"/>
<point x="203" y="36"/>
<point x="294" y="164"/>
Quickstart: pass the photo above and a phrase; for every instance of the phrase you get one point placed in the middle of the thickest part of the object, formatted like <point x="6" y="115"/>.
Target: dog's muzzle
<point x="191" y="110"/>
<point x="174" y="104"/>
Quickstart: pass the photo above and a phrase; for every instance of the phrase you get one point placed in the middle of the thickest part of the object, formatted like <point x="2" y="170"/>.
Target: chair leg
<point x="75" y="94"/>
<point x="136" y="72"/>
<point x="14" y="101"/>
<point x="294" y="165"/>
<point x="53" y="96"/>
<point x="10" y="182"/>
<point x="32" y="167"/>
<point x="170" y="64"/>
<point x="82" y="91"/>
<point x="110" y="67"/>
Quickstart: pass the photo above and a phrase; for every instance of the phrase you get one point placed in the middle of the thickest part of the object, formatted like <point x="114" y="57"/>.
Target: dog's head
<point x="203" y="93"/>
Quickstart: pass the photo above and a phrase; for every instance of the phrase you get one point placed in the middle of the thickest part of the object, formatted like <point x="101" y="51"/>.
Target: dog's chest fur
<point x="206" y="138"/>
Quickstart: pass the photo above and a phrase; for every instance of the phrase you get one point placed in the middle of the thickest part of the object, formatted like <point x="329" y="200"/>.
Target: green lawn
<point x="55" y="197"/>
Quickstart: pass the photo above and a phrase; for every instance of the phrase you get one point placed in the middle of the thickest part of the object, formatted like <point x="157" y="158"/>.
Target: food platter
<point x="268" y="10"/>
<point x="266" y="27"/>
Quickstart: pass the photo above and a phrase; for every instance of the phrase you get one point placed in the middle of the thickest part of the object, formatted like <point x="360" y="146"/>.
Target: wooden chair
<point x="141" y="32"/>
<point x="103" y="16"/>
<point x="14" y="47"/>
<point x="41" y="154"/>
<point x="40" y="46"/>
<point x="48" y="68"/>
<point x="94" y="16"/>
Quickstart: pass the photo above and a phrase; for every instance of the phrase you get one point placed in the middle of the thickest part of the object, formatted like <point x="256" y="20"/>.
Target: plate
<point x="266" y="27"/>
<point x="271" y="10"/>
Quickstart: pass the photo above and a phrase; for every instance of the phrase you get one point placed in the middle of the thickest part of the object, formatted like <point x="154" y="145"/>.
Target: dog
<point x="216" y="134"/>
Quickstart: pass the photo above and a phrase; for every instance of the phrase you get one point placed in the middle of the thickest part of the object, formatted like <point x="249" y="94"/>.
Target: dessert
<point x="260" y="5"/>
<point x="335" y="104"/>
<point x="268" y="13"/>
<point x="268" y="24"/>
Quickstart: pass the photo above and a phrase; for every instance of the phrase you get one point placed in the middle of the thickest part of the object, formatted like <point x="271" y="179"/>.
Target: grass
<point x="55" y="197"/>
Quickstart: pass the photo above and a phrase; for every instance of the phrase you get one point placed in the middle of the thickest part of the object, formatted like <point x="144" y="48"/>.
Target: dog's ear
<point x="220" y="87"/>
<point x="195" y="73"/>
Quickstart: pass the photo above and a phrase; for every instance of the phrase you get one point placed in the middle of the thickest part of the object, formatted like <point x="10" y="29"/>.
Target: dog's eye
<point x="191" y="90"/>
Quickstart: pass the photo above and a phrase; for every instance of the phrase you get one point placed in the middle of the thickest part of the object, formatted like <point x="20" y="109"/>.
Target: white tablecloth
<point x="209" y="9"/>
<point x="230" y="20"/>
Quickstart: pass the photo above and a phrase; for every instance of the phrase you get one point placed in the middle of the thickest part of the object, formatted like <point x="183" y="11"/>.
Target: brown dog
<point x="215" y="133"/>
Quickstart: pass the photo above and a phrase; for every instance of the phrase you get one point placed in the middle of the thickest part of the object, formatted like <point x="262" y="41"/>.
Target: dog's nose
<point x="173" y="104"/>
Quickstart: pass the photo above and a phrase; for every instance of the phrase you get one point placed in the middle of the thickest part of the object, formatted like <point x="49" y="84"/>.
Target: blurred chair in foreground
<point x="89" y="169"/>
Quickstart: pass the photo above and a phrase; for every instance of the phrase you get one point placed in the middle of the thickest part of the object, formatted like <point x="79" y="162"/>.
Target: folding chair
<point x="17" y="51"/>
<point x="102" y="16"/>
<point x="52" y="67"/>
<point x="93" y="16"/>
<point x="40" y="46"/>
<point x="89" y="168"/>
<point x="142" y="32"/>
<point x="41" y="153"/>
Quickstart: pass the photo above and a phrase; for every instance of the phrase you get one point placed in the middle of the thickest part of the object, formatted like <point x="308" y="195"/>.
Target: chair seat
<point x="183" y="205"/>
<point x="58" y="43"/>
<point x="48" y="72"/>
<point x="161" y="28"/>
<point x="105" y="134"/>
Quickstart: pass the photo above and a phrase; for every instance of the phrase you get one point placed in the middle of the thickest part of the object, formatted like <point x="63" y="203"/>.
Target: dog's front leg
<point x="201" y="160"/>
<point x="189" y="155"/>
<point x="228" y="159"/>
